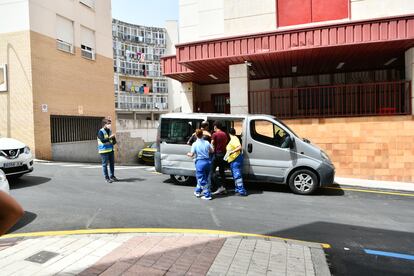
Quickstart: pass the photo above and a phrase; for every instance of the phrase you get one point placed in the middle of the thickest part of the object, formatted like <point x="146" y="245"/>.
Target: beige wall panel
<point x="366" y="9"/>
<point x="43" y="18"/>
<point x="69" y="85"/>
<point x="16" y="110"/>
<point x="14" y="16"/>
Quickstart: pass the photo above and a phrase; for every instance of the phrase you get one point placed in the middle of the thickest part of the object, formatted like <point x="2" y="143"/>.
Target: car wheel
<point x="182" y="179"/>
<point x="303" y="182"/>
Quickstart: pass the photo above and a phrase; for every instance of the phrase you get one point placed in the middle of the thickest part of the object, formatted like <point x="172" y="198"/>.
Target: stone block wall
<point x="377" y="148"/>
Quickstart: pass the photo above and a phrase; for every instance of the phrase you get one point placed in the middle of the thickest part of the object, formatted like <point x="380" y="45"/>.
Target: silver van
<point x="272" y="151"/>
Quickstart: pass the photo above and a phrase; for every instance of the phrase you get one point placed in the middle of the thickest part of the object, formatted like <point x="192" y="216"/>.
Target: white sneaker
<point x="206" y="197"/>
<point x="220" y="191"/>
<point x="197" y="194"/>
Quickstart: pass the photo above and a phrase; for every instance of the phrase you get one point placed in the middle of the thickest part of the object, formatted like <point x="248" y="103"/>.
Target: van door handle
<point x="249" y="147"/>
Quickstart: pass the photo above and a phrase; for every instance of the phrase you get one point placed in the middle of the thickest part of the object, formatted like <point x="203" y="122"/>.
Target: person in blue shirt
<point x="202" y="149"/>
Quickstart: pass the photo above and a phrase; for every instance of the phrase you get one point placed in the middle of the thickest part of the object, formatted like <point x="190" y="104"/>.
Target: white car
<point x="15" y="157"/>
<point x="4" y="184"/>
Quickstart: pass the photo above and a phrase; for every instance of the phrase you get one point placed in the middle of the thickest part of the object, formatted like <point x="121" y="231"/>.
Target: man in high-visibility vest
<point x="106" y="142"/>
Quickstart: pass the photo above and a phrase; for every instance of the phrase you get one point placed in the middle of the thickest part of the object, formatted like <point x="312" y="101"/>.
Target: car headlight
<point x="325" y="156"/>
<point x="26" y="150"/>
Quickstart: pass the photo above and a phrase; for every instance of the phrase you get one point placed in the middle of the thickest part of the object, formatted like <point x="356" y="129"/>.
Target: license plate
<point x="12" y="164"/>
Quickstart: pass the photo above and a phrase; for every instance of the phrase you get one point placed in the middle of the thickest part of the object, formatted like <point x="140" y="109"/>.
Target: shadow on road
<point x="27" y="181"/>
<point x="259" y="188"/>
<point x="347" y="255"/>
<point x="27" y="218"/>
<point x="133" y="179"/>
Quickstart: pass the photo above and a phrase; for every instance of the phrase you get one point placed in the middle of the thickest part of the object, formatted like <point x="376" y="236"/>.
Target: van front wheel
<point x="303" y="182"/>
<point x="182" y="179"/>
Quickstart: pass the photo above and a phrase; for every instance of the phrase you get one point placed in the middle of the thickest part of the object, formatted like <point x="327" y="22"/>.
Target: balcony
<point x="138" y="103"/>
<point x="345" y="100"/>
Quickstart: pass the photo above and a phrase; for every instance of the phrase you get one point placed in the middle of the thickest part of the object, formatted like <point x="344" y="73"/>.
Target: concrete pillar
<point x="409" y="73"/>
<point x="187" y="97"/>
<point x="239" y="88"/>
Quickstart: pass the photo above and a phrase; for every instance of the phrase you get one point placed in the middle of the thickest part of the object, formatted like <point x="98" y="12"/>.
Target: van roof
<point x="215" y="115"/>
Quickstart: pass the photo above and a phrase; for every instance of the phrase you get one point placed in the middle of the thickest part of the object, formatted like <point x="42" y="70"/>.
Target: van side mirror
<point x="288" y="143"/>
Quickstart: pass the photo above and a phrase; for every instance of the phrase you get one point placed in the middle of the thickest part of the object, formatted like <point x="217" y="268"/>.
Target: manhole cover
<point x="41" y="257"/>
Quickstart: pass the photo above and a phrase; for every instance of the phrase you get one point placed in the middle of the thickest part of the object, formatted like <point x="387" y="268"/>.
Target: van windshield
<point x="284" y="125"/>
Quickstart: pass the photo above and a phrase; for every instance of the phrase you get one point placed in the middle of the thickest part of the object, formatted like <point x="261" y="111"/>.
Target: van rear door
<point x="174" y="135"/>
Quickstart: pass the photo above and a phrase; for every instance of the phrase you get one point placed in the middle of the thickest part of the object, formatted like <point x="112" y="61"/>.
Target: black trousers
<point x="217" y="161"/>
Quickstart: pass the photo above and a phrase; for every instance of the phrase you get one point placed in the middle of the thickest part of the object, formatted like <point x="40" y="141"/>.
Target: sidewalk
<point x="375" y="184"/>
<point x="159" y="254"/>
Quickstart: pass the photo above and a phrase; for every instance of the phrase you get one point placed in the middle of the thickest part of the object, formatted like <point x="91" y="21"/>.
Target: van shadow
<point x="259" y="188"/>
<point x="27" y="181"/>
<point x="27" y="218"/>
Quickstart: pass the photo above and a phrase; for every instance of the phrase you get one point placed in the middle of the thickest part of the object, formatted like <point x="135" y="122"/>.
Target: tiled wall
<point x="378" y="148"/>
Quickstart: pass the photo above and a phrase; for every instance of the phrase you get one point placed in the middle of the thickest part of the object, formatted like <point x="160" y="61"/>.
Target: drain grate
<point x="41" y="257"/>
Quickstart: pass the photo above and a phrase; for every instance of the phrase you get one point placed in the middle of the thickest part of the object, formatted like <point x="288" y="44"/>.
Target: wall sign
<point x="44" y="108"/>
<point x="3" y="78"/>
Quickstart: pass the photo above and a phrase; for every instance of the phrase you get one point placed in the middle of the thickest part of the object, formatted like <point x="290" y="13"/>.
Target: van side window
<point x="267" y="132"/>
<point x="178" y="131"/>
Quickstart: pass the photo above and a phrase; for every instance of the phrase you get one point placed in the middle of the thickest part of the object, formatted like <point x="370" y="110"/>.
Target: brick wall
<point x="69" y="85"/>
<point x="378" y="148"/>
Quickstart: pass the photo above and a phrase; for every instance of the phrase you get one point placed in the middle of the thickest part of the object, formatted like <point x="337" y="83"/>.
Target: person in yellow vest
<point x="235" y="158"/>
<point x="106" y="142"/>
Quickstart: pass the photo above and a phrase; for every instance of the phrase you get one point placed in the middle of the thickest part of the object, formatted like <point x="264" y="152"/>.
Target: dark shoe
<point x="113" y="178"/>
<point x="108" y="180"/>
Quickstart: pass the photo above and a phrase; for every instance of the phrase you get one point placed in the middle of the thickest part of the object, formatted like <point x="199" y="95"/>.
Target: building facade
<point x="339" y="72"/>
<point x="58" y="55"/>
<point x="141" y="91"/>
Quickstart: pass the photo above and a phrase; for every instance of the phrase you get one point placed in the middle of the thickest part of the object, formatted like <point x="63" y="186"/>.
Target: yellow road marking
<point x="369" y="191"/>
<point x="149" y="230"/>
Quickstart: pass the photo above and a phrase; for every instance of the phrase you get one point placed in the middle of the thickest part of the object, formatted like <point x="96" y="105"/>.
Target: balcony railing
<point x="346" y="100"/>
<point x="141" y="103"/>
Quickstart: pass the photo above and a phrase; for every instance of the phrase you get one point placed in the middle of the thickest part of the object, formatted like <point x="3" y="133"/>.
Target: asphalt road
<point x="60" y="196"/>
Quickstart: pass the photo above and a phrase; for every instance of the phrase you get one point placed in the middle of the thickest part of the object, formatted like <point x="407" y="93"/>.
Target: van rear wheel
<point x="303" y="182"/>
<point x="182" y="179"/>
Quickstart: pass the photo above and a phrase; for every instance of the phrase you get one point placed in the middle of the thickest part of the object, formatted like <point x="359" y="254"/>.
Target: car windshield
<point x="283" y="124"/>
<point x="153" y="146"/>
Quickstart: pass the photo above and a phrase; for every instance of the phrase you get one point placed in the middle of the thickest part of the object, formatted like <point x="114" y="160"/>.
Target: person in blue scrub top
<point x="201" y="149"/>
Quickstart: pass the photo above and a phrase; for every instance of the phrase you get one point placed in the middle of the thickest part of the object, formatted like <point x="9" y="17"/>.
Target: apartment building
<point x="141" y="91"/>
<point x="56" y="56"/>
<point x="339" y="72"/>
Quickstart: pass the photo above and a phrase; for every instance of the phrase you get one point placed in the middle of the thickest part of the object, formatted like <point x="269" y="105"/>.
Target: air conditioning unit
<point x="64" y="46"/>
<point x="87" y="52"/>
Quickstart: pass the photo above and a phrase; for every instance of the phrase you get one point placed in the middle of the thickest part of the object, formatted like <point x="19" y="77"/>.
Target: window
<point x="89" y="3"/>
<point x="178" y="131"/>
<point x="66" y="129"/>
<point x="268" y="133"/>
<point x="88" y="43"/>
<point x="64" y="34"/>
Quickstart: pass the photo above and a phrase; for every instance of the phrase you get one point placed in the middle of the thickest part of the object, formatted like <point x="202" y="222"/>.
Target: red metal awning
<point x="360" y="45"/>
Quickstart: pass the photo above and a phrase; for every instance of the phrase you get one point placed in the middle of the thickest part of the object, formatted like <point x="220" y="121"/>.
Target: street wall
<point x="84" y="151"/>
<point x="377" y="148"/>
<point x="132" y="136"/>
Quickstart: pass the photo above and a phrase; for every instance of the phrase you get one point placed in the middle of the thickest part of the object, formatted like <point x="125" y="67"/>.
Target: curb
<point x="150" y="231"/>
<point x="375" y="184"/>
